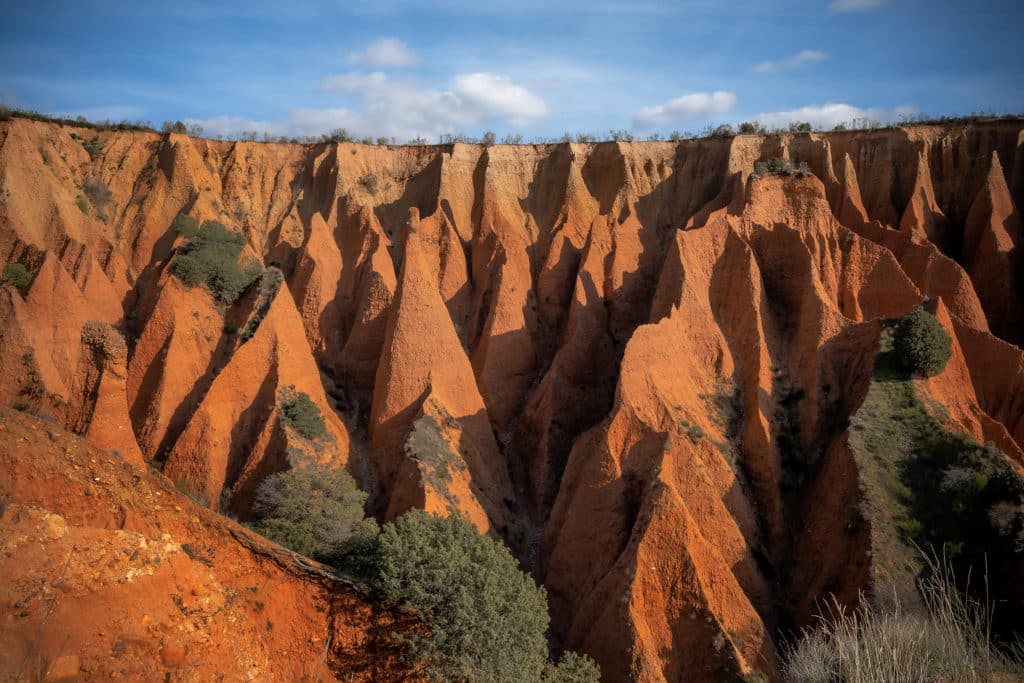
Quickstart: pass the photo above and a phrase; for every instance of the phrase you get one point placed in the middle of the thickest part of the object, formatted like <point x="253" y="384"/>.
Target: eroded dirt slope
<point x="635" y="363"/>
<point x="106" y="571"/>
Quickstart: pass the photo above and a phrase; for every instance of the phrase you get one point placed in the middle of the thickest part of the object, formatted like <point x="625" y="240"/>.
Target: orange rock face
<point x="634" y="363"/>
<point x="107" y="572"/>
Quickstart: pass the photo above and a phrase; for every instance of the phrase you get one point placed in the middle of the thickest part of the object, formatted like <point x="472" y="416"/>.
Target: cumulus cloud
<point x="800" y="59"/>
<point x="854" y="5"/>
<point x="692" y="106"/>
<point x="496" y="95"/>
<point x="384" y="52"/>
<point x="830" y="114"/>
<point x="403" y="108"/>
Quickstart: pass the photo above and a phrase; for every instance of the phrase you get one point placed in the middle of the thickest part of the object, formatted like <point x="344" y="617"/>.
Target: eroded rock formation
<point x="635" y="363"/>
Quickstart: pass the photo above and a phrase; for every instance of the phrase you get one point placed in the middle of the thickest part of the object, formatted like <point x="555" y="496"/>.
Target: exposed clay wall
<point x="609" y="338"/>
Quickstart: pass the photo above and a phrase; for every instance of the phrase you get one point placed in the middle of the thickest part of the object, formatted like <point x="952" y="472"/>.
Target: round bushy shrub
<point x="211" y="257"/>
<point x="921" y="344"/>
<point x="185" y="225"/>
<point x="486" y="618"/>
<point x="313" y="509"/>
<point x="573" y="668"/>
<point x="301" y="414"/>
<point x="17" y="275"/>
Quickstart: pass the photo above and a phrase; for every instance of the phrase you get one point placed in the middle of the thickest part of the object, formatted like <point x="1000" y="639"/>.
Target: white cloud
<point x="496" y="95"/>
<point x="829" y="114"/>
<point x="692" y="106"/>
<point x="854" y="5"/>
<point x="356" y="82"/>
<point x="800" y="59"/>
<point x="384" y="52"/>
<point x="402" y="108"/>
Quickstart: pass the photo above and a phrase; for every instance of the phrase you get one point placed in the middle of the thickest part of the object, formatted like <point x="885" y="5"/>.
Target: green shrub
<point x="921" y="345"/>
<point x="83" y="204"/>
<point x="573" y="668"/>
<point x="486" y="618"/>
<point x="777" y="166"/>
<point x="301" y="414"/>
<point x="751" y="128"/>
<point x="800" y="127"/>
<point x="185" y="225"/>
<point x="336" y="135"/>
<point x="313" y="509"/>
<point x="369" y="182"/>
<point x="722" y="131"/>
<point x="211" y="258"/>
<point x="16" y="275"/>
<point x="270" y="283"/>
<point x="93" y="147"/>
<point x="99" y="194"/>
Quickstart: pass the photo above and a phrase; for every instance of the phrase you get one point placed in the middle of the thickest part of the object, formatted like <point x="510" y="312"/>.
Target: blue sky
<point x="537" y="67"/>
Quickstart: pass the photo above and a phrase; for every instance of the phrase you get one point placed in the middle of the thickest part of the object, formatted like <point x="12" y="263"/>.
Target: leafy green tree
<point x="185" y="225"/>
<point x="315" y="510"/>
<point x="722" y="131"/>
<point x="486" y="618"/>
<point x="778" y="166"/>
<point x="921" y="344"/>
<point x="174" y="127"/>
<point x="573" y="668"/>
<point x="211" y="258"/>
<point x="301" y="414"/>
<point x="17" y="275"/>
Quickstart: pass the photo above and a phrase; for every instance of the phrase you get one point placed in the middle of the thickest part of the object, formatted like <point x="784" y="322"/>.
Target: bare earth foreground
<point x="641" y="362"/>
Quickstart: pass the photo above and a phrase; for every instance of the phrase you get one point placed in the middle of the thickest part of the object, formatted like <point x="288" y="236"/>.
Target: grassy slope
<point x="928" y="486"/>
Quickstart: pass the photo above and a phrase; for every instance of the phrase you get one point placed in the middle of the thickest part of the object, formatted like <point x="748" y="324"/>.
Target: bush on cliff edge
<point x="211" y="258"/>
<point x="300" y="413"/>
<point x="486" y="618"/>
<point x="921" y="344"/>
<point x="313" y="509"/>
<point x="16" y="275"/>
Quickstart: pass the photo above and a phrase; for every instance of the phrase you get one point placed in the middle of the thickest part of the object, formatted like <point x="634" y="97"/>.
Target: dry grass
<point x="950" y="641"/>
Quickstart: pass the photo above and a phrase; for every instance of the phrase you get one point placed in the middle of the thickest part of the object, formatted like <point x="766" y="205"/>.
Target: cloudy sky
<point x="535" y="67"/>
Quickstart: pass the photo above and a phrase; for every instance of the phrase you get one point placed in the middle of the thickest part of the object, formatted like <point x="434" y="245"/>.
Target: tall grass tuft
<point x="950" y="640"/>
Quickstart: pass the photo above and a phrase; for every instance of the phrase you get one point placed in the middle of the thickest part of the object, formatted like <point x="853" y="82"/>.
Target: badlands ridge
<point x="643" y="363"/>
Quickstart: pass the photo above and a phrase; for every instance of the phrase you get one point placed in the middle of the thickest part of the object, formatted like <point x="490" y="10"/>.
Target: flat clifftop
<point x="636" y="363"/>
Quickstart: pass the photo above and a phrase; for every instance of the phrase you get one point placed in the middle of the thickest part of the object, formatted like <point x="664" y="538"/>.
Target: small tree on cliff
<point x="211" y="258"/>
<point x="16" y="275"/>
<point x="315" y="510"/>
<point x="573" y="668"/>
<point x="921" y="344"/>
<point x="486" y="618"/>
<point x="300" y="413"/>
